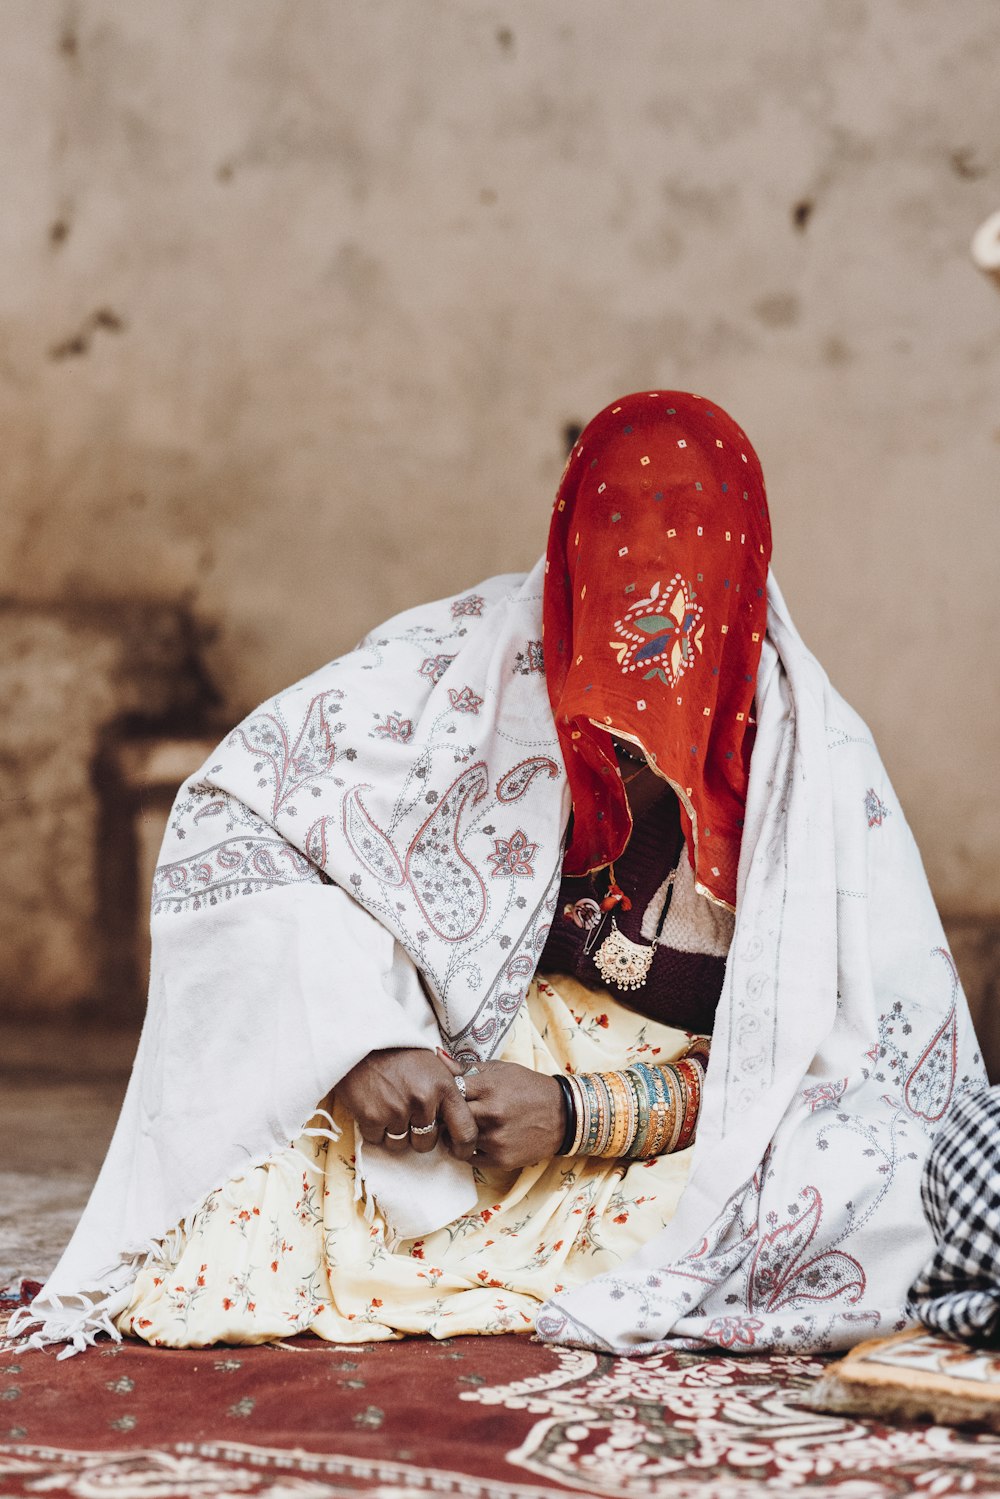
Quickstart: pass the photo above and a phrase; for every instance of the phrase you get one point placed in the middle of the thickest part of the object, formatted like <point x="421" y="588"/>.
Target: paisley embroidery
<point x="782" y="1278"/>
<point x="446" y="885"/>
<point x="931" y="1084"/>
<point x="292" y="765"/>
<point x="448" y="888"/>
<point x="369" y="842"/>
<point x="239" y="866"/>
<point x="662" y="632"/>
<point x="512" y="786"/>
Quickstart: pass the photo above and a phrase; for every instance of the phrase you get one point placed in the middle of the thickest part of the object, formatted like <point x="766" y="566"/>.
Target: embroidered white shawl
<point x="372" y="859"/>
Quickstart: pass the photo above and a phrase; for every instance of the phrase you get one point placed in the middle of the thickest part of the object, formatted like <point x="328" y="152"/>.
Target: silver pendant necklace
<point x="625" y="963"/>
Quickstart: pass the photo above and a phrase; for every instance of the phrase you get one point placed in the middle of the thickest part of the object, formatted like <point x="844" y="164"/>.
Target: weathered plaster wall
<point x="298" y="296"/>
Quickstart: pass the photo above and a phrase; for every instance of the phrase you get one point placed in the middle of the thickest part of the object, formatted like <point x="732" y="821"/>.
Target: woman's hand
<point x="391" y="1092"/>
<point x="520" y="1114"/>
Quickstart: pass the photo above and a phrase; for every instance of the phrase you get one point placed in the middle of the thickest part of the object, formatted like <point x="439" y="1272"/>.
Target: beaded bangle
<point x="582" y="1115"/>
<point x="592" y="1137"/>
<point x="642" y="1113"/>
<point x="603" y="1109"/>
<point x="569" y="1111"/>
<point x="645" y="1113"/>
<point x="663" y="1112"/>
<point x="622" y="1113"/>
<point x="667" y="1080"/>
<point x="678" y="1094"/>
<point x="691" y="1073"/>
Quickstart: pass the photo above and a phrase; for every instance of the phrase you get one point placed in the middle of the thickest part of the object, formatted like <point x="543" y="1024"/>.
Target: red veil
<point x="654" y="613"/>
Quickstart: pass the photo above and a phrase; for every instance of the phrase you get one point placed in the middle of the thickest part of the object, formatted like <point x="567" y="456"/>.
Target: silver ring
<point x="460" y="1085"/>
<point x="390" y="1136"/>
<point x="424" y="1129"/>
<point x="472" y="1071"/>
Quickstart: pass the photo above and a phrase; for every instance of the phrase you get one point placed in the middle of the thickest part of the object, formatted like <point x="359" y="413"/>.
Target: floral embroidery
<point x="734" y="1332"/>
<point x="824" y="1095"/>
<point x="513" y="855"/>
<point x="662" y="632"/>
<point x="394" y="726"/>
<point x="434" y="667"/>
<point x="464" y="700"/>
<point x="875" y="808"/>
<point x="471" y="606"/>
<point x="531" y="659"/>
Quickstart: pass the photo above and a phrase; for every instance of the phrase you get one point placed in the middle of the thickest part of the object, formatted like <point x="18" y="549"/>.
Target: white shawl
<point x="372" y="860"/>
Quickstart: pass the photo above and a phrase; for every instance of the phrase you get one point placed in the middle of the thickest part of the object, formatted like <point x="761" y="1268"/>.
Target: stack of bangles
<point x="634" y="1114"/>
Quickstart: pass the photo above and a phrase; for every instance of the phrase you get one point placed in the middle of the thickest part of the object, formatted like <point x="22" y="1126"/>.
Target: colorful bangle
<point x="622" y="1114"/>
<point x="674" y="1082"/>
<point x="592" y="1136"/>
<point x="642" y="1112"/>
<point x="635" y="1113"/>
<point x="582" y="1115"/>
<point x="692" y="1075"/>
<point x="664" y="1112"/>
<point x="603" y="1108"/>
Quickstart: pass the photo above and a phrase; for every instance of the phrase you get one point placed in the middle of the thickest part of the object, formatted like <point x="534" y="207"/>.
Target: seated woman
<point x="489" y="903"/>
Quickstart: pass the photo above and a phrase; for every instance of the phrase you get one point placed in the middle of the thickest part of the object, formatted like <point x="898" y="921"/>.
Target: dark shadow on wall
<point x="82" y="688"/>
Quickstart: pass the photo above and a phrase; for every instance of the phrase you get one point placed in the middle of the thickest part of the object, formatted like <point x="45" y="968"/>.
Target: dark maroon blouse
<point x="682" y="988"/>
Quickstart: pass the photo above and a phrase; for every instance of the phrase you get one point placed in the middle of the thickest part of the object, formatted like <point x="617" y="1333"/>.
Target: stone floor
<point x="60" y="1092"/>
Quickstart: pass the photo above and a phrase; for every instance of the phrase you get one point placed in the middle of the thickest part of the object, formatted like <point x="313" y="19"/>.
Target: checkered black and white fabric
<point x="958" y="1291"/>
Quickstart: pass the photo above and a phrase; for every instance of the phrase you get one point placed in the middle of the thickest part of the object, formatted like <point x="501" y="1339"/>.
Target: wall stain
<point x="964" y="164"/>
<point x="78" y="343"/>
<point x="802" y="212"/>
<point x="836" y="352"/>
<point x="68" y="44"/>
<point x="779" y="310"/>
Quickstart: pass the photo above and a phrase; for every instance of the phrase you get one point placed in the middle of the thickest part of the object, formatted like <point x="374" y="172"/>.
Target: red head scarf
<point x="654" y="613"/>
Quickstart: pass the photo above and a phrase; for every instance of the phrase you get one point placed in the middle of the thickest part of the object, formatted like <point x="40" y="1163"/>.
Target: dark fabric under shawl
<point x="682" y="988"/>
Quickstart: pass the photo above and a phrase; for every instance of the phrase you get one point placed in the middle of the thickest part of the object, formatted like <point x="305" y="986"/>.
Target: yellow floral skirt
<point x="287" y="1248"/>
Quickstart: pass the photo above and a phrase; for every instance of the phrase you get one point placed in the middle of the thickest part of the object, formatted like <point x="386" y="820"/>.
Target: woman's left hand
<point x="519" y="1113"/>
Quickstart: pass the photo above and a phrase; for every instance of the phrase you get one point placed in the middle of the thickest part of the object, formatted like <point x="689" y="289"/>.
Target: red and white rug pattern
<point x="473" y="1417"/>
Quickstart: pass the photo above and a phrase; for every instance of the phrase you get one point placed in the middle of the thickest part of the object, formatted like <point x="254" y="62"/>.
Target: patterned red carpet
<point x="475" y="1417"/>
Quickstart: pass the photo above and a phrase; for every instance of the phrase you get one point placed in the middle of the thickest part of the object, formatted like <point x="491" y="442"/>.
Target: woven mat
<point x="476" y="1417"/>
